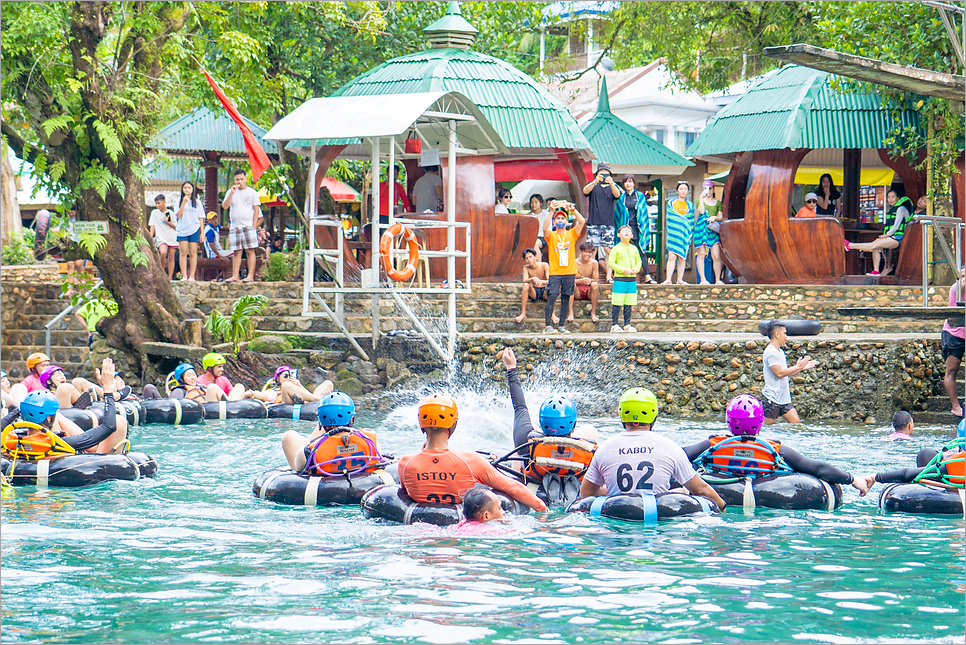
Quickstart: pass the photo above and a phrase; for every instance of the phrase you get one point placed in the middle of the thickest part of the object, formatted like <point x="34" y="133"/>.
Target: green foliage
<point x="18" y="250"/>
<point x="239" y="326"/>
<point x="91" y="242"/>
<point x="134" y="249"/>
<point x="281" y="267"/>
<point x="304" y="342"/>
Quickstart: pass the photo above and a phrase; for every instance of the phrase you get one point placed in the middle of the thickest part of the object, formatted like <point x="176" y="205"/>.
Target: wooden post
<point x="192" y="331"/>
<point x="852" y="167"/>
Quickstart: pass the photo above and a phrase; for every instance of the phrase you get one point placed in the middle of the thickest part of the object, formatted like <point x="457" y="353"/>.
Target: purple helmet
<point x="48" y="373"/>
<point x="280" y="371"/>
<point x="745" y="415"/>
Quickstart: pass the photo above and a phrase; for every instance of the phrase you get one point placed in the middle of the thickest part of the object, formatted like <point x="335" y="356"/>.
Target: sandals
<point x="83" y="401"/>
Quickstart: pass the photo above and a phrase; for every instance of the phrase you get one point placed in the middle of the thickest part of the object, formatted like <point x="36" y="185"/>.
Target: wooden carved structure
<point x="766" y="134"/>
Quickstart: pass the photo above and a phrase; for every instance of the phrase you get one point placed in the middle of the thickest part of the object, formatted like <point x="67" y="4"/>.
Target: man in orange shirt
<point x="808" y="210"/>
<point x="439" y="475"/>
<point x="562" y="256"/>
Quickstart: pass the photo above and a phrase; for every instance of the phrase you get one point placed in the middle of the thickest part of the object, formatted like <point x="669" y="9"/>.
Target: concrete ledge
<point x="171" y="350"/>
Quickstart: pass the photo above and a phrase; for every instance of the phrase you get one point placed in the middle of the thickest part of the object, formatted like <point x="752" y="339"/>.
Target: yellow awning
<point x="869" y="176"/>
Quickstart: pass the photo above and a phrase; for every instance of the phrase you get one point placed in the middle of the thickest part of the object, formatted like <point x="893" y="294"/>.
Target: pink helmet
<point x="745" y="415"/>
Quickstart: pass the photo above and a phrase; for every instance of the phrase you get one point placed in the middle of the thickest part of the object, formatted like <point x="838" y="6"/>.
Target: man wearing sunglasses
<point x="808" y="210"/>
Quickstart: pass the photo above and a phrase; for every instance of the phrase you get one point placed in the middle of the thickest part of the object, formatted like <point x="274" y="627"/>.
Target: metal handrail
<point x="956" y="259"/>
<point x="69" y="310"/>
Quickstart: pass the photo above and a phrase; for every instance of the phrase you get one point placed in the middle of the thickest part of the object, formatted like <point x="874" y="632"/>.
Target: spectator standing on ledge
<point x="631" y="210"/>
<point x="706" y="240"/>
<point x="428" y="191"/>
<point x="536" y="209"/>
<point x="244" y="219"/>
<point x="625" y="261"/>
<point x="191" y="216"/>
<point x="562" y="253"/>
<point x="164" y="231"/>
<point x="680" y="223"/>
<point x="777" y="393"/>
<point x="602" y="194"/>
<point x="953" y="345"/>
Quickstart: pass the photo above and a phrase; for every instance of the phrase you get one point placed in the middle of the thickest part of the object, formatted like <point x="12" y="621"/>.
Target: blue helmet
<point x="38" y="406"/>
<point x="558" y="416"/>
<point x="3" y="373"/>
<point x="336" y="409"/>
<point x="178" y="373"/>
<point x="961" y="429"/>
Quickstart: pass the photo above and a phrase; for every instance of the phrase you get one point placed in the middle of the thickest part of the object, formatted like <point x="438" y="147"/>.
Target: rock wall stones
<point x="857" y="381"/>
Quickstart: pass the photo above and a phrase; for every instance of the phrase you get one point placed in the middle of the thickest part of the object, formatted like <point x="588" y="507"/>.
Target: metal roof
<point x="799" y="107"/>
<point x="452" y="20"/>
<point x="621" y="144"/>
<point x="204" y="130"/>
<point x="355" y="117"/>
<point x="523" y="113"/>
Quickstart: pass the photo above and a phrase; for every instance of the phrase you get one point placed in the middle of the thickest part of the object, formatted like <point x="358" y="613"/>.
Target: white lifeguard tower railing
<point x="447" y="122"/>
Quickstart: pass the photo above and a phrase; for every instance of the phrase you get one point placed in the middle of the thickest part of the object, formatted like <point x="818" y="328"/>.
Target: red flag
<point x="256" y="156"/>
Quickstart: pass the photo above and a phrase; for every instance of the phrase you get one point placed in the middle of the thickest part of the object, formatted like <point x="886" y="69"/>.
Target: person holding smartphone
<point x="602" y="194"/>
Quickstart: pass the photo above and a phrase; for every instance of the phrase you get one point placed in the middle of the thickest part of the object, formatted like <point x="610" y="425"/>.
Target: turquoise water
<point x="192" y="556"/>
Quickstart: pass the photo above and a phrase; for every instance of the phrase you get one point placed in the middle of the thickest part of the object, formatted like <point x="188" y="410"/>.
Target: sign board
<point x="90" y="227"/>
<point x="429" y="157"/>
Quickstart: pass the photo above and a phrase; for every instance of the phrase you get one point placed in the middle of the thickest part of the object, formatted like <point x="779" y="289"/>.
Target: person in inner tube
<point x="214" y="374"/>
<point x="336" y="410"/>
<point x="639" y="460"/>
<point x="439" y="475"/>
<point x="908" y="475"/>
<point x="41" y="407"/>
<point x="5" y="396"/>
<point x="289" y="390"/>
<point x="745" y="416"/>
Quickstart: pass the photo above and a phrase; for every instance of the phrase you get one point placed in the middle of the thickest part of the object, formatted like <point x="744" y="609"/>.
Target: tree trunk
<point x="9" y="207"/>
<point x="148" y="309"/>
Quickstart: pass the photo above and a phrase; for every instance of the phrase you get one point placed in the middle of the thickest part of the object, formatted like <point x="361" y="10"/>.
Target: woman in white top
<point x="503" y="203"/>
<point x="191" y="215"/>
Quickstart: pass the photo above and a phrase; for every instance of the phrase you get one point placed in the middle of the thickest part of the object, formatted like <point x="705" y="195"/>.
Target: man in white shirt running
<point x="428" y="191"/>
<point x="641" y="461"/>
<point x="776" y="394"/>
<point x="244" y="219"/>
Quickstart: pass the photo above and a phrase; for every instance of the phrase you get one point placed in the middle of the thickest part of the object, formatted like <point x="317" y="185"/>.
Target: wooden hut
<point x="765" y="135"/>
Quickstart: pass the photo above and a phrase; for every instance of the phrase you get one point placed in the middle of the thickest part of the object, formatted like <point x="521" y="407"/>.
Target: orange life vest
<point x="349" y="451"/>
<point x="194" y="393"/>
<point x="744" y="457"/>
<point x="953" y="466"/>
<point x="560" y="456"/>
<point x="31" y="442"/>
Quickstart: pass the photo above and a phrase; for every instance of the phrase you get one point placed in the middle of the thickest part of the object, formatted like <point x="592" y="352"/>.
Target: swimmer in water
<point x="481" y="505"/>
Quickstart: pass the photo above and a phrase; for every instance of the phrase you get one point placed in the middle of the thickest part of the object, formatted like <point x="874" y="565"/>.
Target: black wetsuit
<point x="797" y="461"/>
<point x="906" y="475"/>
<point x="523" y="429"/>
<point x="85" y="440"/>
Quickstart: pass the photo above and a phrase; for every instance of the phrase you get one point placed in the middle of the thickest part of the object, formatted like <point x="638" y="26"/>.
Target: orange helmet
<point x="35" y="359"/>
<point x="438" y="411"/>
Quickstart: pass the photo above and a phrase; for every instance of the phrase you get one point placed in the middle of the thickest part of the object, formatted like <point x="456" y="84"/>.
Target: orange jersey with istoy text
<point x="442" y="476"/>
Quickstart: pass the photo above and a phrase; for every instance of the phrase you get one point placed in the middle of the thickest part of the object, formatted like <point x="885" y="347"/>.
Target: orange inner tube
<point x="385" y="248"/>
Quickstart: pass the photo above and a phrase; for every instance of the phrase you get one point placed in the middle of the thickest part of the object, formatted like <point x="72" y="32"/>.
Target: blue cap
<point x="336" y="409"/>
<point x="558" y="416"/>
<point x="38" y="406"/>
<point x="3" y="374"/>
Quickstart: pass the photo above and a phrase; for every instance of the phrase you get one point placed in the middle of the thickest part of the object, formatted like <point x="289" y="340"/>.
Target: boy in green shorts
<point x="625" y="262"/>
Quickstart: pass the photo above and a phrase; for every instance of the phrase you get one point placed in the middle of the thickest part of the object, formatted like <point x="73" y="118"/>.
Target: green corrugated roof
<point x="524" y="114"/>
<point x="452" y="20"/>
<point x="797" y="107"/>
<point x="619" y="143"/>
<point x="176" y="169"/>
<point x="201" y="129"/>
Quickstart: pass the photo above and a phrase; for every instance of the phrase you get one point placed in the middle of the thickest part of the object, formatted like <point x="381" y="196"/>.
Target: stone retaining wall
<point x="856" y="381"/>
<point x="46" y="273"/>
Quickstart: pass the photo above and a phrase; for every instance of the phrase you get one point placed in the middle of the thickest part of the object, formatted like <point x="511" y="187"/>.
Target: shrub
<point x="280" y="267"/>
<point x="240" y="325"/>
<point x="18" y="250"/>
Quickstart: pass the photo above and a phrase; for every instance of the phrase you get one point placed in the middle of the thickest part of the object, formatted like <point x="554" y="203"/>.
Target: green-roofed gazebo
<point x="765" y="134"/>
<point x="532" y="125"/>
<point x="210" y="136"/>
<point x="625" y="148"/>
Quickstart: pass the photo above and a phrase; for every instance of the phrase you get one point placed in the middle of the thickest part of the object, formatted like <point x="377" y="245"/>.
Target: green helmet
<point x="212" y="359"/>
<point x="638" y="405"/>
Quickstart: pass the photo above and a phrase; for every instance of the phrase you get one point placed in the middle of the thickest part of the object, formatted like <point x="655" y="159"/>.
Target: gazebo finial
<point x="603" y="103"/>
<point x="452" y="30"/>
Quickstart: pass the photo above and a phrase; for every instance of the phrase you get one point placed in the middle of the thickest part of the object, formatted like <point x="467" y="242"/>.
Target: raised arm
<point x="226" y="202"/>
<point x="522" y="426"/>
<point x="581" y="222"/>
<point x="828" y="472"/>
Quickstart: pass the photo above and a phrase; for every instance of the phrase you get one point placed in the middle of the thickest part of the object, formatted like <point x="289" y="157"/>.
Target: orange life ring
<point x="385" y="246"/>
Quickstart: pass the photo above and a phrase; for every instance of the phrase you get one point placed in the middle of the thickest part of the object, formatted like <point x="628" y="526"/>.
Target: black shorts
<point x="777" y="410"/>
<point x="541" y="294"/>
<point x="561" y="284"/>
<point x="952" y="346"/>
